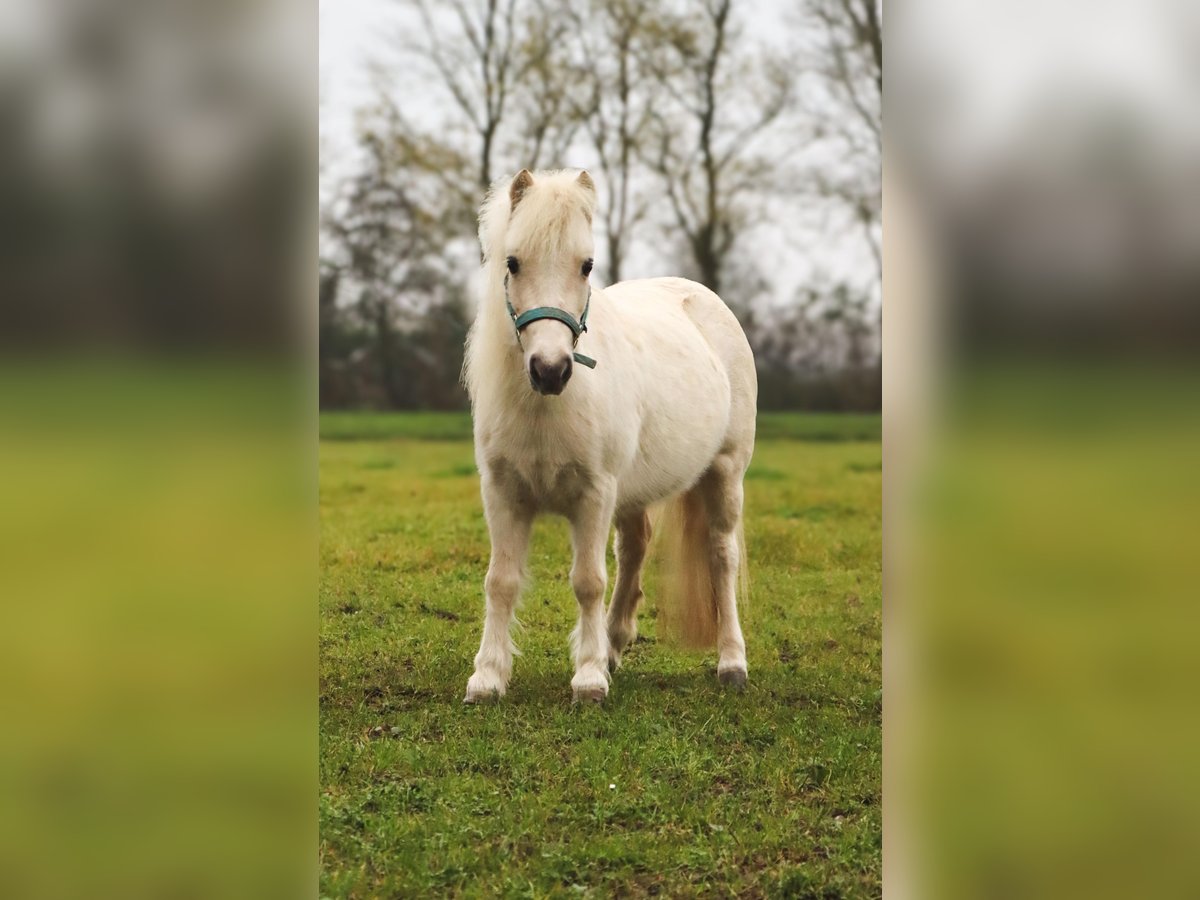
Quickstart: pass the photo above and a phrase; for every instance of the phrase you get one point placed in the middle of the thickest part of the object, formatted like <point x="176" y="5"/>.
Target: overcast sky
<point x="353" y="33"/>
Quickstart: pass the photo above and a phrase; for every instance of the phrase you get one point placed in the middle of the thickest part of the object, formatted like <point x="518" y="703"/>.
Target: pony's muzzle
<point x="549" y="378"/>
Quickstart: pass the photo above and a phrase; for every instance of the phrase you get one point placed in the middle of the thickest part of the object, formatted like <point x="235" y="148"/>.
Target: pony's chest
<point x="536" y="469"/>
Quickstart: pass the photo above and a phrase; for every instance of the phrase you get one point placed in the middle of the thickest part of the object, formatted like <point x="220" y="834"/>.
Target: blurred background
<point x="157" y="545"/>
<point x="735" y="142"/>
<point x="1042" y="396"/>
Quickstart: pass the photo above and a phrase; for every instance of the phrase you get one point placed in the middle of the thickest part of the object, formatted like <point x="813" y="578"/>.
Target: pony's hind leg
<point x="590" y="524"/>
<point x="633" y="535"/>
<point x="509" y="529"/>
<point x="721" y="488"/>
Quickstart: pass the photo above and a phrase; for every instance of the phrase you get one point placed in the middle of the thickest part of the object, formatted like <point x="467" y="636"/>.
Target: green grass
<point x="672" y="787"/>
<point x="363" y="426"/>
<point x="450" y="426"/>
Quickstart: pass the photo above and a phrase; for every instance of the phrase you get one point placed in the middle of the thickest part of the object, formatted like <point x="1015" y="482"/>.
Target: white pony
<point x="662" y="407"/>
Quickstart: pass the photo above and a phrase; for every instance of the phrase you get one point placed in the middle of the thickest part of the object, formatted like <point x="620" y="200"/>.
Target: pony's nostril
<point x="536" y="371"/>
<point x="549" y="378"/>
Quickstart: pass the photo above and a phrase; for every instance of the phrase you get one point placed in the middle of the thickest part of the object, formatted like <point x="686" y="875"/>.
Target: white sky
<point x="353" y="33"/>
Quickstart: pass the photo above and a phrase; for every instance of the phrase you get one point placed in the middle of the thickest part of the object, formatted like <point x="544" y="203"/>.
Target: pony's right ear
<point x="520" y="184"/>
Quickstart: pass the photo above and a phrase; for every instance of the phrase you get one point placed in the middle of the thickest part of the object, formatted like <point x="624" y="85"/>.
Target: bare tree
<point x="390" y="273"/>
<point x="471" y="45"/>
<point x="545" y="120"/>
<point x="502" y="64"/>
<point x="725" y="95"/>
<point x="613" y="42"/>
<point x="842" y="42"/>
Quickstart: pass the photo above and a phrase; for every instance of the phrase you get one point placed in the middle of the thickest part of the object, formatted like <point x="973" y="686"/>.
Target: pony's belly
<point x="650" y="481"/>
<point x="676" y="447"/>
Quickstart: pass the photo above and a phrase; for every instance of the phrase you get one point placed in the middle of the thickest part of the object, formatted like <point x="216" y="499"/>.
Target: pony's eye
<point x="587" y="268"/>
<point x="513" y="265"/>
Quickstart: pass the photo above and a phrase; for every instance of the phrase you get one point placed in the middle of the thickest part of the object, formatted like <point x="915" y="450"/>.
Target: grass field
<point x="356" y="426"/>
<point x="672" y="787"/>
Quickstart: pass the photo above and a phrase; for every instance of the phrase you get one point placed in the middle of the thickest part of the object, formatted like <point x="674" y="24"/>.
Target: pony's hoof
<point x="588" y="695"/>
<point x="476" y="697"/>
<point x="733" y="678"/>
<point x="483" y="688"/>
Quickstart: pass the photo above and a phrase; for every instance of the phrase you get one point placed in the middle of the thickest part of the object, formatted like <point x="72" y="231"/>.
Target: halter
<point x="552" y="312"/>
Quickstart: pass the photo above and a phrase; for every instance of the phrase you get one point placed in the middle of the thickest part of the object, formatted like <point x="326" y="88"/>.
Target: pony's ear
<point x="520" y="184"/>
<point x="585" y="181"/>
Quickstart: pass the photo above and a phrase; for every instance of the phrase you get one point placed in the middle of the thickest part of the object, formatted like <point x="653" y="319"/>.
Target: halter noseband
<point x="552" y="312"/>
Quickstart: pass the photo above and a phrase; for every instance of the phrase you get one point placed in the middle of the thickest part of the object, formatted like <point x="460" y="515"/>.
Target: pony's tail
<point x="687" y="606"/>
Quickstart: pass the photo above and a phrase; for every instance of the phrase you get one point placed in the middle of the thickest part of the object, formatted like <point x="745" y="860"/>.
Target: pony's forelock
<point x="555" y="197"/>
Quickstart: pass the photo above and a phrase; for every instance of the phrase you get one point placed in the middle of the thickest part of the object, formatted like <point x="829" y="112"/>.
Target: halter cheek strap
<point x="552" y="312"/>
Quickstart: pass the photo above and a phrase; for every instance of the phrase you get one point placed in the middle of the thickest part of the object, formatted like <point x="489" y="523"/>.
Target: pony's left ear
<point x="585" y="181"/>
<point x="520" y="184"/>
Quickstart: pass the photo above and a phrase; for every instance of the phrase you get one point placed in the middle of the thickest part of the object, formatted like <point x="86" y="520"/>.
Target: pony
<point x="595" y="405"/>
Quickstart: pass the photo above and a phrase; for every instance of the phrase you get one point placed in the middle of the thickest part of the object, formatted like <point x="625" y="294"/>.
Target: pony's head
<point x="545" y="250"/>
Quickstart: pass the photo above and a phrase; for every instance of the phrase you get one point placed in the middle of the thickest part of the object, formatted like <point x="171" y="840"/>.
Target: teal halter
<point x="552" y="312"/>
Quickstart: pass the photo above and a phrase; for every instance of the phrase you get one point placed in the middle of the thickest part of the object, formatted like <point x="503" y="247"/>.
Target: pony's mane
<point x="557" y="196"/>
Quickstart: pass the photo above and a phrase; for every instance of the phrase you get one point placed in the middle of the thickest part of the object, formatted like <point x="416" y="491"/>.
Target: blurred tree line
<point x="708" y="144"/>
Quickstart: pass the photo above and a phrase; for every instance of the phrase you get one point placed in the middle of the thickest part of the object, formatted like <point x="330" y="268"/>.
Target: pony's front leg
<point x="589" y="577"/>
<point x="509" y="529"/>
